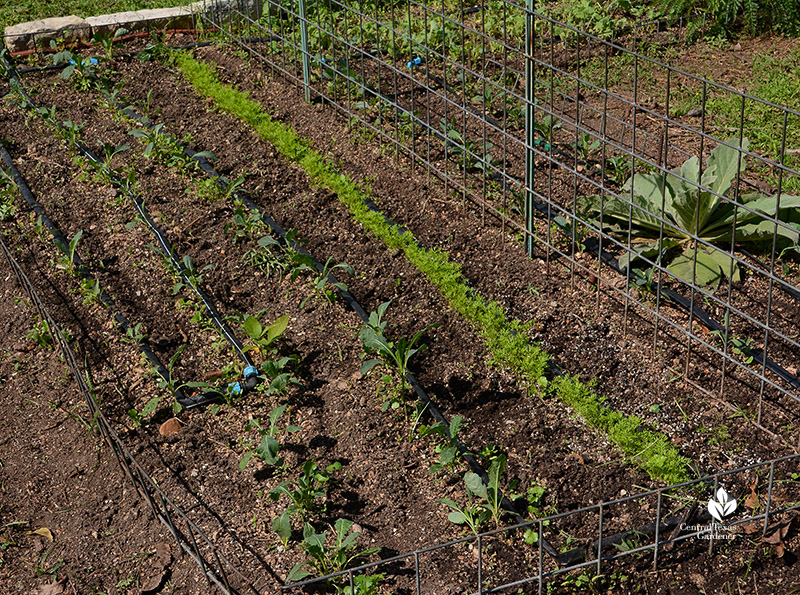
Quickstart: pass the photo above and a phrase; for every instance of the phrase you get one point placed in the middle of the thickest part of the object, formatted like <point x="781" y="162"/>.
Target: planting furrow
<point x="244" y="142"/>
<point x="592" y="337"/>
<point x="81" y="269"/>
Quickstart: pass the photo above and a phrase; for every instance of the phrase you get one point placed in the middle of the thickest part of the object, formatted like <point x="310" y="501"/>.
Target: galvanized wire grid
<point x="675" y="518"/>
<point x="527" y="130"/>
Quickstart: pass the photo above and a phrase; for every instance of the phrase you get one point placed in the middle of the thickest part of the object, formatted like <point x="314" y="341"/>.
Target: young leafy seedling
<point x="263" y="337"/>
<point x="269" y="447"/>
<point x="449" y="456"/>
<point x="307" y="491"/>
<point x="394" y="355"/>
<point x="327" y="559"/>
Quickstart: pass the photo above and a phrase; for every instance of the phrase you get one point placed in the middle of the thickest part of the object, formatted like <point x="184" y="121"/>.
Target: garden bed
<point x="384" y="484"/>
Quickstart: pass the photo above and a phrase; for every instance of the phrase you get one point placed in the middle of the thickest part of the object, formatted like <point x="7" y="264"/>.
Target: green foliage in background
<point x="754" y="16"/>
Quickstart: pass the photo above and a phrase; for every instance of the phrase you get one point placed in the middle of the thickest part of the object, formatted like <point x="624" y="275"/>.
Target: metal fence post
<point x="529" y="129"/>
<point x="304" y="42"/>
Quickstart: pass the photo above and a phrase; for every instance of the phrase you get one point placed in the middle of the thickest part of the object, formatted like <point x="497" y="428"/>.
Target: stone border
<point x="28" y="36"/>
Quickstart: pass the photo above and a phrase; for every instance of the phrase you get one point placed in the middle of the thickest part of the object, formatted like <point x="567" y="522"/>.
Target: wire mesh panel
<point x="668" y="191"/>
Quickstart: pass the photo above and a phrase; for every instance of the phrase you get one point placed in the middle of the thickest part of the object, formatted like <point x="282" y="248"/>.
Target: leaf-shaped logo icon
<point x="721" y="505"/>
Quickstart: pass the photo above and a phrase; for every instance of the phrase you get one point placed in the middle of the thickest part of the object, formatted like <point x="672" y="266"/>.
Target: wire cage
<point x="664" y="189"/>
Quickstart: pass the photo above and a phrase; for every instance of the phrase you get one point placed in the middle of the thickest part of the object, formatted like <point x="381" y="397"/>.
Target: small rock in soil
<point x="170" y="427"/>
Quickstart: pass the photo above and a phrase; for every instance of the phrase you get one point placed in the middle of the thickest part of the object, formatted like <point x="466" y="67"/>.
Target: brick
<point x="179" y="17"/>
<point x="107" y="24"/>
<point x="24" y="36"/>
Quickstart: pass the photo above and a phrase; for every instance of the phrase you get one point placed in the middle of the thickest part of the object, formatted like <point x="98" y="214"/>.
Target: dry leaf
<point x="752" y="500"/>
<point x="43" y="531"/>
<point x="776" y="534"/>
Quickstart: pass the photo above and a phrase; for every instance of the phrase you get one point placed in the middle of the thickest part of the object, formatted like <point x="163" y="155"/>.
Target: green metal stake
<point x="304" y="43"/>
<point x="530" y="131"/>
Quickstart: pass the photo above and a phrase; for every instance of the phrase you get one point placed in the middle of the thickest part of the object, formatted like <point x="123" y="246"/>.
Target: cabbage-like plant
<point x="695" y="204"/>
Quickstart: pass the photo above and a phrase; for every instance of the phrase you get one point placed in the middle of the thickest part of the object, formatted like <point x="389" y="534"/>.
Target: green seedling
<point x="307" y="493"/>
<point x="329" y="558"/>
<point x="274" y="380"/>
<point x="134" y="334"/>
<point x="472" y="514"/>
<point x="268" y="450"/>
<point x="449" y="455"/>
<point x="267" y="257"/>
<point x="41" y="334"/>
<point x="106" y="41"/>
<point x="584" y="147"/>
<point x="264" y="337"/>
<point x="171" y="384"/>
<point x="152" y="138"/>
<point x="489" y="498"/>
<point x="321" y="280"/>
<point x="72" y="131"/>
<point x="469" y="155"/>
<point x="393" y="355"/>
<point x="7" y="193"/>
<point x="190" y="272"/>
<point x="110" y="150"/>
<point x="67" y="259"/>
<point x="78" y="69"/>
<point x="91" y="291"/>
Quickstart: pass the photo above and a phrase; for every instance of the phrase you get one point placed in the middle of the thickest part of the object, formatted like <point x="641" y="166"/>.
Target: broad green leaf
<point x="253" y="327"/>
<point x="342" y="526"/>
<point x="707" y="271"/>
<point x="475" y="485"/>
<point x="368" y="365"/>
<point x="267" y="451"/>
<point x="457" y="517"/>
<point x="276" y="329"/>
<point x="282" y="525"/>
<point x="726" y="263"/>
<point x="455" y="425"/>
<point x="245" y="459"/>
<point x="276" y="413"/>
<point x="649" y="250"/>
<point x="150" y="406"/>
<point x="723" y="165"/>
<point x="298" y="573"/>
<point x="451" y="503"/>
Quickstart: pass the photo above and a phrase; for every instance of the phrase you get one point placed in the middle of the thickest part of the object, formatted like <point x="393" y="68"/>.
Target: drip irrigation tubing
<point x="348" y="298"/>
<point x="706" y="319"/>
<point x="250" y="374"/>
<point x="142" y="482"/>
<point x="81" y="269"/>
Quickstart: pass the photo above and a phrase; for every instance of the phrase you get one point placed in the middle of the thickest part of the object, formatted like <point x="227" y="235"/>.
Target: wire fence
<point x="501" y="560"/>
<point x="768" y="494"/>
<point x="627" y="176"/>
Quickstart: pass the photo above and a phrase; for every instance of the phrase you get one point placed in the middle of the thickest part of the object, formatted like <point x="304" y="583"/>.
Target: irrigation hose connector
<point x="250" y="376"/>
<point x="415" y="62"/>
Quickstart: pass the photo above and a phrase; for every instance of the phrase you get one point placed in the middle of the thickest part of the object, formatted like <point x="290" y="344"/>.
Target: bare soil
<point x="385" y="485"/>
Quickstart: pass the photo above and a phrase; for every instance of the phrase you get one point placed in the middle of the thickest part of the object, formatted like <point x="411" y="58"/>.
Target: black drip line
<point x="164" y="245"/>
<point x="80" y="267"/>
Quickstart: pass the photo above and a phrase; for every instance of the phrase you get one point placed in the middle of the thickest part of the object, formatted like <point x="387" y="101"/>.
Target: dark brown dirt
<point x="385" y="485"/>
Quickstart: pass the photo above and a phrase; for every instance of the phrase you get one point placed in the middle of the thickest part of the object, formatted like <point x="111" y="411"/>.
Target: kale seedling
<point x="269" y="447"/>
